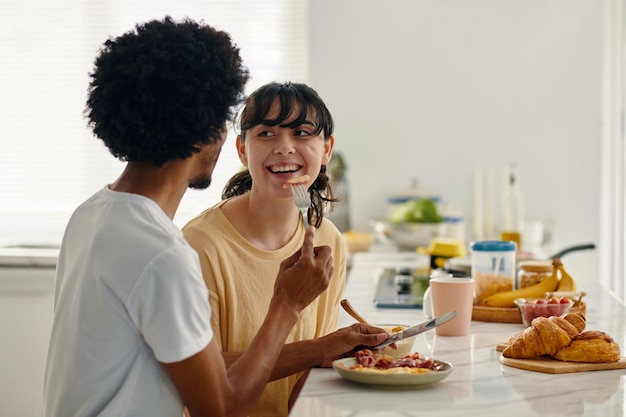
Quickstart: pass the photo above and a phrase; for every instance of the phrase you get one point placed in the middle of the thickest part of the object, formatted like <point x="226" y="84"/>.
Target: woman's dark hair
<point x="162" y="90"/>
<point x="290" y="96"/>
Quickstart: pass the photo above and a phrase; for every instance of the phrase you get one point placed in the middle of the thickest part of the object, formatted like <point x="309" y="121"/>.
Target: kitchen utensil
<point x="512" y="314"/>
<point x="453" y="294"/>
<point x="386" y="379"/>
<point x="302" y="199"/>
<point x="427" y="304"/>
<point x="574" y="248"/>
<point x="352" y="312"/>
<point x="417" y="329"/>
<point x="553" y="366"/>
<point x="407" y="236"/>
<point x="401" y="349"/>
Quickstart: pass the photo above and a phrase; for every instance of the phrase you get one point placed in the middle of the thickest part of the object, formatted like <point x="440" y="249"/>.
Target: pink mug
<point x="453" y="293"/>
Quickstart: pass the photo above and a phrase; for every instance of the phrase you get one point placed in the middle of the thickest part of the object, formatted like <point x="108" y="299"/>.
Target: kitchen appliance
<point x="401" y="287"/>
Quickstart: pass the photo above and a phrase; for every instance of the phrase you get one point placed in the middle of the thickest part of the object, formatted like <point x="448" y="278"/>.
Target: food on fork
<point x="545" y="336"/>
<point x="413" y="363"/>
<point x="302" y="179"/>
<point x="590" y="346"/>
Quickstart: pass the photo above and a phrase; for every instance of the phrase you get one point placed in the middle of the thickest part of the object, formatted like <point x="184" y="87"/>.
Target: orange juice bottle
<point x="511" y="236"/>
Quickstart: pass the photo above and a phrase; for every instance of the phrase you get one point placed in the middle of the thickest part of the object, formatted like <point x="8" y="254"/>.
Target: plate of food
<point x="370" y="368"/>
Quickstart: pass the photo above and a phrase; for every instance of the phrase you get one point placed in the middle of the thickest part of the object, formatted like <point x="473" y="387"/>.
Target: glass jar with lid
<point x="533" y="272"/>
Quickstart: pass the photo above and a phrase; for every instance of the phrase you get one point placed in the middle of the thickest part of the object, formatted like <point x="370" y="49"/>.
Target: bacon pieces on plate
<point x="366" y="359"/>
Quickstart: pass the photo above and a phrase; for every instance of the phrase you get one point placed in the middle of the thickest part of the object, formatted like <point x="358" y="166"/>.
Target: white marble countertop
<point x="479" y="385"/>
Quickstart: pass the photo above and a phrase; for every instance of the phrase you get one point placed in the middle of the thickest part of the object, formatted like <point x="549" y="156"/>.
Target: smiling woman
<point x="47" y="51"/>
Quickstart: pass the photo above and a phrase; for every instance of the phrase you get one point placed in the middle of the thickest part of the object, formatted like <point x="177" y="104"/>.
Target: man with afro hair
<point x="131" y="333"/>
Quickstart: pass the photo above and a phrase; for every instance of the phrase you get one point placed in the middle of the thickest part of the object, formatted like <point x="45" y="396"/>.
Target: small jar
<point x="493" y="268"/>
<point x="533" y="272"/>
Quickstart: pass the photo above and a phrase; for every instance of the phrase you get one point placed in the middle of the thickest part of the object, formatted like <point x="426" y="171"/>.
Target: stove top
<point x="401" y="287"/>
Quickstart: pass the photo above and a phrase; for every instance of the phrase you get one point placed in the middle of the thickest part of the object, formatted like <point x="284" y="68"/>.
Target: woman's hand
<point x="345" y="341"/>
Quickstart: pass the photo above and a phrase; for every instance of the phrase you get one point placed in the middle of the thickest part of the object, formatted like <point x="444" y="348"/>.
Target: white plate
<point x="342" y="366"/>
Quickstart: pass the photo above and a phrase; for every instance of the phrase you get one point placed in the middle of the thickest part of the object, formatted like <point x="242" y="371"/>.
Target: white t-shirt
<point x="129" y="294"/>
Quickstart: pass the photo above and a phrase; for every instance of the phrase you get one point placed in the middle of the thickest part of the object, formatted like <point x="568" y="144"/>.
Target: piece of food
<point x="487" y="284"/>
<point x="545" y="336"/>
<point x="531" y="308"/>
<point x="566" y="283"/>
<point x="368" y="361"/>
<point x="590" y="346"/>
<point x="507" y="298"/>
<point x="420" y="210"/>
<point x="302" y="179"/>
<point x="552" y="283"/>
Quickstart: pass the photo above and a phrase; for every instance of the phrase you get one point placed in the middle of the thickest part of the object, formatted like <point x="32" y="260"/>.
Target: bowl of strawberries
<point x="530" y="308"/>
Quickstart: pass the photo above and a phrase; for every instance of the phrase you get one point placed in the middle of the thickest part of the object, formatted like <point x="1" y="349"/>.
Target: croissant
<point x="545" y="336"/>
<point x="590" y="346"/>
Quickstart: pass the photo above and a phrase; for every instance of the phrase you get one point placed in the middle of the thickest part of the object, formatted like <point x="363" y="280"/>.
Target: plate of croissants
<point x="560" y="344"/>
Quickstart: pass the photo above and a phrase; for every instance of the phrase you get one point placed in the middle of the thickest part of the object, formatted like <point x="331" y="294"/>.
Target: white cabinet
<point x="26" y="308"/>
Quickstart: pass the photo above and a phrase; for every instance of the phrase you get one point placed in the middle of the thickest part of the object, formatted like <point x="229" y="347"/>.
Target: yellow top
<point x="445" y="247"/>
<point x="240" y="278"/>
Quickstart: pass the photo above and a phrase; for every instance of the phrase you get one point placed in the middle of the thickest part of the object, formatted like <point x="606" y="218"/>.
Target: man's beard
<point x="200" y="183"/>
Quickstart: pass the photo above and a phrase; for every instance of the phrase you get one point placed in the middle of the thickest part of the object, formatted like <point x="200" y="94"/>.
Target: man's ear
<point x="241" y="150"/>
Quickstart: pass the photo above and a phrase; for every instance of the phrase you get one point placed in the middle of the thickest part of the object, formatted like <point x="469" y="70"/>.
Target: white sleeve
<point x="172" y="307"/>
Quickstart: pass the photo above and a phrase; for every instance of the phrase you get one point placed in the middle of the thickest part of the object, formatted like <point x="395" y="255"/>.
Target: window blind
<point x="49" y="160"/>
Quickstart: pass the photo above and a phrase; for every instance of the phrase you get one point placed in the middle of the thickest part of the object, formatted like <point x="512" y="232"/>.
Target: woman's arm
<point x="321" y="352"/>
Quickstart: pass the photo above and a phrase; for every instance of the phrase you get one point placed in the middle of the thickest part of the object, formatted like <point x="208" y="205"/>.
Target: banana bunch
<point x="566" y="283"/>
<point x="552" y="283"/>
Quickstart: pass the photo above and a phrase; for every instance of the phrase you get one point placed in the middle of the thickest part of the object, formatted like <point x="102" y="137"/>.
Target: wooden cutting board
<point x="553" y="366"/>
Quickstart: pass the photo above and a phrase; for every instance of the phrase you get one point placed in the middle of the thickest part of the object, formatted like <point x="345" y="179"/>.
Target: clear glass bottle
<point x="512" y="208"/>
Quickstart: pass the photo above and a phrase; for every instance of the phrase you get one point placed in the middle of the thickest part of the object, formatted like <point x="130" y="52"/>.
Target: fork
<point x="302" y="199"/>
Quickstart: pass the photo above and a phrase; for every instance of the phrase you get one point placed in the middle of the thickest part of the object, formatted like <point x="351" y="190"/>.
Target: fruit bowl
<point x="407" y="236"/>
<point x="530" y="308"/>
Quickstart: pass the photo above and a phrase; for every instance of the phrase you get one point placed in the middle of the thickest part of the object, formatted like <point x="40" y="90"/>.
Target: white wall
<point x="435" y="88"/>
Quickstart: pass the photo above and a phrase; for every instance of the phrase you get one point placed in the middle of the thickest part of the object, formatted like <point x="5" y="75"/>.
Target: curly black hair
<point x="159" y="91"/>
<point x="290" y="95"/>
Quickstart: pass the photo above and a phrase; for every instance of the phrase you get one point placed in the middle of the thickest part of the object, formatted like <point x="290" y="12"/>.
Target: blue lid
<point x="493" y="246"/>
<point x="400" y="199"/>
